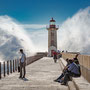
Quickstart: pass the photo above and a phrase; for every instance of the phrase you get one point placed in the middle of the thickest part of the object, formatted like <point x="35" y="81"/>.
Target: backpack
<point x="79" y="69"/>
<point x="78" y="66"/>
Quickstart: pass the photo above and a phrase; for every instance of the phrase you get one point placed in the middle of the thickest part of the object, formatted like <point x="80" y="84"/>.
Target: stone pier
<point x="40" y="75"/>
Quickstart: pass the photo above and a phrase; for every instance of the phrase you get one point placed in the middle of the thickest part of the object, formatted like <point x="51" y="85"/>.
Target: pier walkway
<point x="39" y="76"/>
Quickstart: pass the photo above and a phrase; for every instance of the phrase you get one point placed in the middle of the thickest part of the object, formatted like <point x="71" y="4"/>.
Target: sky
<point x="40" y="11"/>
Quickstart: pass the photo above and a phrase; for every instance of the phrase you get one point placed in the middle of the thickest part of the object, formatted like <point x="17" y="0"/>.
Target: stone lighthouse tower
<point x="52" y="37"/>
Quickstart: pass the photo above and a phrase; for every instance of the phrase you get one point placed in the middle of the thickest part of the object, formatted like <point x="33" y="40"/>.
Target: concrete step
<point x="71" y="85"/>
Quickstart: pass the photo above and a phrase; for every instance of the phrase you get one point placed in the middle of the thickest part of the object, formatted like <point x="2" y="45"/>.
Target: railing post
<point x="7" y="67"/>
<point x="0" y="70"/>
<point x="4" y="68"/>
<point x="13" y="66"/>
<point x="10" y="66"/>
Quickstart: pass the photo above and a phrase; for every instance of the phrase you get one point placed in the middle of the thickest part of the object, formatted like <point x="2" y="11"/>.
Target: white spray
<point x="74" y="33"/>
<point x="12" y="38"/>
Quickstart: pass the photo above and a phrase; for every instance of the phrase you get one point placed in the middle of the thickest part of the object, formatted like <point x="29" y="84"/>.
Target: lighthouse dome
<point x="52" y="20"/>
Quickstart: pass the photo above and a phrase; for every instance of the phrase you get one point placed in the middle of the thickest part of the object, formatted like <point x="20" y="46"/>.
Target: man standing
<point x="22" y="64"/>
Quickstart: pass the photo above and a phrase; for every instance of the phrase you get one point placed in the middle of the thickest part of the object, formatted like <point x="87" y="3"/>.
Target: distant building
<point x="52" y="37"/>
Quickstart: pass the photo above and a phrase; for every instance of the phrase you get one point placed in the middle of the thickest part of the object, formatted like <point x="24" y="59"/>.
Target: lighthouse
<point x="52" y="37"/>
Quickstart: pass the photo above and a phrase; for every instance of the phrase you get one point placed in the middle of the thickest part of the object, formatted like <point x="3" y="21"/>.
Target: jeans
<point x="62" y="75"/>
<point x="68" y="74"/>
<point x="22" y="66"/>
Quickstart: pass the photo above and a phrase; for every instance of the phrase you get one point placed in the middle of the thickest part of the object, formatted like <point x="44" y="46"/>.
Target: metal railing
<point x="10" y="66"/>
<point x="48" y="26"/>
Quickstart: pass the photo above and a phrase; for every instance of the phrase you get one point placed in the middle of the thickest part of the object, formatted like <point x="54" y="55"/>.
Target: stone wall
<point x="84" y="61"/>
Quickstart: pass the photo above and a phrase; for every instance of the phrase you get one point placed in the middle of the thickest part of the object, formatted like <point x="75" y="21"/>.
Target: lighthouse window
<point x="52" y="42"/>
<point x="52" y="23"/>
<point x="52" y="34"/>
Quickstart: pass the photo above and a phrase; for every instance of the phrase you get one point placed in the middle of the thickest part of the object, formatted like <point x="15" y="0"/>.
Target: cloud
<point x="33" y="26"/>
<point x="40" y="39"/>
<point x="38" y="35"/>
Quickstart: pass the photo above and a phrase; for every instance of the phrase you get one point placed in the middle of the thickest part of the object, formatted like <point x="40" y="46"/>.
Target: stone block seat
<point x="79" y="82"/>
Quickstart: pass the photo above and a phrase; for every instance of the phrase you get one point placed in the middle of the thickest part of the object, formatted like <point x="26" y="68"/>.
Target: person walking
<point x="22" y="64"/>
<point x="55" y="56"/>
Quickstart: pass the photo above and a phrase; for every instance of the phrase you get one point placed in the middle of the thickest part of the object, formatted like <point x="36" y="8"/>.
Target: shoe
<point x="63" y="83"/>
<point x="20" y="77"/>
<point x="23" y="76"/>
<point x="56" y="80"/>
<point x="60" y="81"/>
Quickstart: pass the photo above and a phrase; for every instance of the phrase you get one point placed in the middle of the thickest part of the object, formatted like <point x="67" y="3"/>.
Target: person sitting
<point x="76" y="58"/>
<point x="59" y="55"/>
<point x="72" y="70"/>
<point x="59" y="79"/>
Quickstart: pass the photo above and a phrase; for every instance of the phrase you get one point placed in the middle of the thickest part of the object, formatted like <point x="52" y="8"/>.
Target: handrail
<point x="10" y="66"/>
